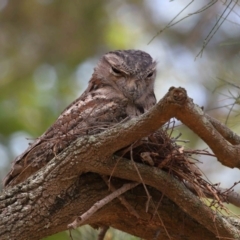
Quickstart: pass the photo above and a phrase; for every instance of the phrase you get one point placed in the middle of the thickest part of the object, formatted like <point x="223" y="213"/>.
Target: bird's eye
<point x="150" y="75"/>
<point x="116" y="71"/>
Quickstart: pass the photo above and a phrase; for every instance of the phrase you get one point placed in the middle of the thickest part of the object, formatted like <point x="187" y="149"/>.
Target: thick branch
<point x="176" y="104"/>
<point x="47" y="199"/>
<point x="174" y="190"/>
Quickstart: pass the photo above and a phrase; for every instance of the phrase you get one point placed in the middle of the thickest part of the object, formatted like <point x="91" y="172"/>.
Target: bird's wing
<point x="89" y="114"/>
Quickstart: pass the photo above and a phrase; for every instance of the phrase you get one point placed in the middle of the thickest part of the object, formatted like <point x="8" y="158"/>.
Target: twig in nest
<point x="199" y="152"/>
<point x="156" y="213"/>
<point x="79" y="220"/>
<point x="144" y="185"/>
<point x="159" y="151"/>
<point x="102" y="233"/>
<point x="121" y="198"/>
<point x="122" y="153"/>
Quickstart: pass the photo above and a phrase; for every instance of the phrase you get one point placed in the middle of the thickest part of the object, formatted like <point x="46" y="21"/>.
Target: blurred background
<point x="48" y="49"/>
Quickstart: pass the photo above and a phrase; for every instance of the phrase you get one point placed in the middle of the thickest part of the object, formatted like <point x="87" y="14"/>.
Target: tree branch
<point x="55" y="195"/>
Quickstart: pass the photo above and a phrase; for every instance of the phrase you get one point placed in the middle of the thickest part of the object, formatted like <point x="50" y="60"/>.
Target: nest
<point x="161" y="151"/>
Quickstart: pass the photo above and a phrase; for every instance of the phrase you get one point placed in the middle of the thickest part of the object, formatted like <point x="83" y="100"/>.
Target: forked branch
<point x="56" y="195"/>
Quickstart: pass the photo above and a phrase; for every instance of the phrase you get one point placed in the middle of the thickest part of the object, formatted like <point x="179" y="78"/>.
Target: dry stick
<point x="158" y="205"/>
<point x="231" y="196"/>
<point x="230" y="83"/>
<point x="236" y="98"/>
<point x="121" y="198"/>
<point x="102" y="233"/>
<point x="216" y="27"/>
<point x="128" y="206"/>
<point x="230" y="111"/>
<point x="160" y="219"/>
<point x="123" y="152"/>
<point x="135" y="166"/>
<point x="172" y="23"/>
<point x="99" y="204"/>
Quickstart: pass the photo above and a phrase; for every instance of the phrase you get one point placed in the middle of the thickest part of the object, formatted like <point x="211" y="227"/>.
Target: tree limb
<point x="55" y="195"/>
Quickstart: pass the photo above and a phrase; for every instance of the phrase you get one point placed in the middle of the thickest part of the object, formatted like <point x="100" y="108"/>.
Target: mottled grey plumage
<point x="121" y="88"/>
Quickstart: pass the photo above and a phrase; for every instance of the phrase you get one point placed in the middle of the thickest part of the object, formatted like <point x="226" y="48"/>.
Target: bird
<point x="121" y="88"/>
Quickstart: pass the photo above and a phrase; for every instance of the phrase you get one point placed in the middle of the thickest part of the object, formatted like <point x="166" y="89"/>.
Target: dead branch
<point x="173" y="22"/>
<point x="121" y="198"/>
<point x="229" y="196"/>
<point x="80" y="220"/>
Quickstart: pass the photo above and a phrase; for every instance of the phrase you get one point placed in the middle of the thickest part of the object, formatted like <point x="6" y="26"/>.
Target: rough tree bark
<point x="71" y="183"/>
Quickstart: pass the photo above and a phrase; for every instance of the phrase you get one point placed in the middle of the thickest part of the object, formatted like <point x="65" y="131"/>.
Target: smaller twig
<point x="158" y="204"/>
<point x="183" y="141"/>
<point x="70" y="234"/>
<point x="122" y="153"/>
<point x="160" y="219"/>
<point x="139" y="175"/>
<point x="177" y="137"/>
<point x="103" y="232"/>
<point x="99" y="204"/>
<point x="231" y="188"/>
<point x="172" y="23"/>
<point x="172" y="128"/>
<point x="230" y="83"/>
<point x="230" y="196"/>
<point x="200" y="152"/>
<point x="216" y="27"/>
<point x="121" y="198"/>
